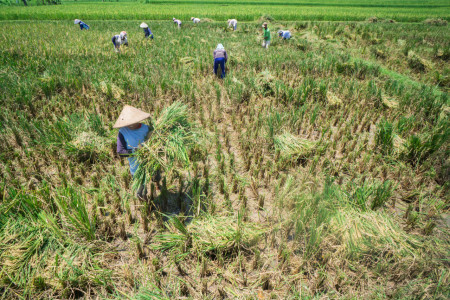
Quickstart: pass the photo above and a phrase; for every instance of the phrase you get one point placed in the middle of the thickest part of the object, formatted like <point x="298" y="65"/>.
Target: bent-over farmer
<point x="266" y="36"/>
<point x="119" y="39"/>
<point x="178" y="22"/>
<point x="220" y="58"/>
<point x="132" y="134"/>
<point x="232" y="22"/>
<point x="284" y="34"/>
<point x="82" y="24"/>
<point x="147" y="31"/>
<point x="195" y="20"/>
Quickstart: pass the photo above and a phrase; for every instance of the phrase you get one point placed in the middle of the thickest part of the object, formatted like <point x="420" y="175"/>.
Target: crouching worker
<point x="195" y="20"/>
<point x="147" y="32"/>
<point x="232" y="22"/>
<point x="284" y="34"/>
<point x="132" y="134"/>
<point x="220" y="58"/>
<point x="82" y="24"/>
<point x="178" y="22"/>
<point x="119" y="39"/>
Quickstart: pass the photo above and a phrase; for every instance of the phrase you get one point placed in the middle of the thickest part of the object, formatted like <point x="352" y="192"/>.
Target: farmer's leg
<point x="216" y="65"/>
<point x="157" y="178"/>
<point x="142" y="192"/>
<point x="222" y="66"/>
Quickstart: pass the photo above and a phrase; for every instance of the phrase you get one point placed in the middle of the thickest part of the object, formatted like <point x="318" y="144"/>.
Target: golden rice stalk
<point x="333" y="100"/>
<point x="292" y="147"/>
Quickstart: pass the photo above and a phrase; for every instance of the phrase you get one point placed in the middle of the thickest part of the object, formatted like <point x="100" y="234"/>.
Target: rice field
<point x="249" y="10"/>
<point x="318" y="168"/>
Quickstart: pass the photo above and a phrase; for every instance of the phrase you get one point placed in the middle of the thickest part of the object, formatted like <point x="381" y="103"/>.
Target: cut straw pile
<point x="210" y="235"/>
<point x="169" y="145"/>
<point x="292" y="147"/>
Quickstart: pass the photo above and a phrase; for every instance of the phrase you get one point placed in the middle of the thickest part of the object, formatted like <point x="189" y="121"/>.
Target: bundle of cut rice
<point x="265" y="83"/>
<point x="169" y="146"/>
<point x="389" y="102"/>
<point x="292" y="147"/>
<point x="333" y="100"/>
<point x="187" y="60"/>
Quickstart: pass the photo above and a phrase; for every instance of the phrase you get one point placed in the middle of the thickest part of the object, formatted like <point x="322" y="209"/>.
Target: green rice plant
<point x="74" y="210"/>
<point x="382" y="193"/>
<point x="170" y="145"/>
<point x="419" y="148"/>
<point x="385" y="137"/>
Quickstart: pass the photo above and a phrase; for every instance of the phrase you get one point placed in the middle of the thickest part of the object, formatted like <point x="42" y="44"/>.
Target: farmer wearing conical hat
<point x="220" y="58"/>
<point x="147" y="31"/>
<point x="82" y="24"/>
<point x="195" y="20"/>
<point x="266" y="36"/>
<point x="120" y="39"/>
<point x="284" y="34"/>
<point x="232" y="22"/>
<point x="178" y="22"/>
<point x="132" y="134"/>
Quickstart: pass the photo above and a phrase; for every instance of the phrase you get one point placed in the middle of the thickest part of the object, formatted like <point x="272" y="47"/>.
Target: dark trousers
<point x="219" y="61"/>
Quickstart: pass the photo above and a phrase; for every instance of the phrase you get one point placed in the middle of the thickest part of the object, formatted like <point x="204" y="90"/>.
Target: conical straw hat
<point x="143" y="25"/>
<point x="76" y="21"/>
<point x="130" y="115"/>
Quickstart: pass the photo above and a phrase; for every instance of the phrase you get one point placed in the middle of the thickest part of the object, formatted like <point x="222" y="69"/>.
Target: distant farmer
<point x="132" y="134"/>
<point x="178" y="22"/>
<point x="147" y="32"/>
<point x="82" y="24"/>
<point x="232" y="22"/>
<point x="119" y="39"/>
<point x="284" y="34"/>
<point x="195" y="20"/>
<point x="266" y="36"/>
<point x="220" y="58"/>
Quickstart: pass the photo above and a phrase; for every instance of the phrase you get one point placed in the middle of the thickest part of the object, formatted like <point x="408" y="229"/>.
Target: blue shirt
<point x="133" y="139"/>
<point x="148" y="33"/>
<point x="83" y="25"/>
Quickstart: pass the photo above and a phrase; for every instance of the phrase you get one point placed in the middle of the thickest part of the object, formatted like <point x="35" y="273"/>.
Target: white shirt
<point x="177" y="21"/>
<point x="119" y="41"/>
<point x="232" y="22"/>
<point x="196" y="20"/>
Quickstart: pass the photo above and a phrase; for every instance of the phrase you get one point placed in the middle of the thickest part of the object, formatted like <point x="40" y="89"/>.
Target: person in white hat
<point x="132" y="134"/>
<point x="232" y="22"/>
<point x="284" y="34"/>
<point x="195" y="20"/>
<point x="220" y="58"/>
<point x="82" y="24"/>
<point x="178" y="22"/>
<point x="147" y="32"/>
<point x="120" y="39"/>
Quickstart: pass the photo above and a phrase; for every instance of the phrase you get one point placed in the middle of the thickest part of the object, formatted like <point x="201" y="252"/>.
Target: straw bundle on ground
<point x="170" y="144"/>
<point x="292" y="147"/>
<point x="211" y="235"/>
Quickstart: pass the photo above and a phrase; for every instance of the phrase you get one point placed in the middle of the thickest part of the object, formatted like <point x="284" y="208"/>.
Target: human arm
<point x="122" y="149"/>
<point x="226" y="55"/>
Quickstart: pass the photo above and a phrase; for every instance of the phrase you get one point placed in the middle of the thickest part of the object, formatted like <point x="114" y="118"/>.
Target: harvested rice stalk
<point x="210" y="235"/>
<point x="389" y="102"/>
<point x="292" y="147"/>
<point x="333" y="100"/>
<point x="170" y="145"/>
